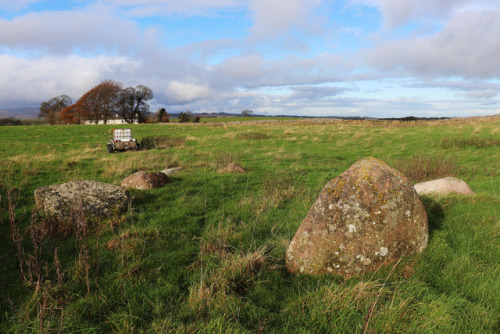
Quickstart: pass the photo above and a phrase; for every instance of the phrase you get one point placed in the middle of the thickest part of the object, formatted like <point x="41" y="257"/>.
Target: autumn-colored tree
<point x="70" y="115"/>
<point x="132" y="103"/>
<point x="52" y="108"/>
<point x="165" y="118"/>
<point x="101" y="102"/>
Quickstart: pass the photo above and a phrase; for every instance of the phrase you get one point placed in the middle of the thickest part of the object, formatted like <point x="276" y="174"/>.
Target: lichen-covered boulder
<point x="444" y="186"/>
<point x="145" y="180"/>
<point x="90" y="197"/>
<point x="366" y="217"/>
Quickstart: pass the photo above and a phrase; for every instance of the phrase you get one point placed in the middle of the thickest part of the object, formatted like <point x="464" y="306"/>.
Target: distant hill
<point x="19" y="113"/>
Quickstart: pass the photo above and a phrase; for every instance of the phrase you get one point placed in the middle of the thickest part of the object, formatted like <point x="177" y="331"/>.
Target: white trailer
<point x="122" y="140"/>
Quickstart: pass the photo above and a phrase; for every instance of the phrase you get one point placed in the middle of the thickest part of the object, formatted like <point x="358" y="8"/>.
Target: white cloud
<point x="482" y="94"/>
<point x="169" y="7"/>
<point x="402" y="11"/>
<point x="35" y="80"/>
<point x="468" y="46"/>
<point x="253" y="70"/>
<point x="315" y="93"/>
<point x="273" y="18"/>
<point x="15" y="5"/>
<point x="472" y="89"/>
<point x="184" y="92"/>
<point x="62" y="32"/>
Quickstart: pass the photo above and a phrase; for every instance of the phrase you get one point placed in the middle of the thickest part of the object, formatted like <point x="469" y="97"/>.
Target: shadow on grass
<point x="435" y="213"/>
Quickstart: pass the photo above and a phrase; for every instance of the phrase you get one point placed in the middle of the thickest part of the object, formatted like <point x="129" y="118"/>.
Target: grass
<point x="161" y="142"/>
<point x="206" y="253"/>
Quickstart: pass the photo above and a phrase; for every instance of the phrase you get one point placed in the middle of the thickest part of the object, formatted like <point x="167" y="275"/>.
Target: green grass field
<point x="205" y="254"/>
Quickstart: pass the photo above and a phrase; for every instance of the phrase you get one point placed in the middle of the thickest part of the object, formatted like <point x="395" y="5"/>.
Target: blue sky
<point x="378" y="58"/>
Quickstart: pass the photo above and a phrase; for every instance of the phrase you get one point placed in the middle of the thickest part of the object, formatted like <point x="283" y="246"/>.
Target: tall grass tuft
<point x="219" y="284"/>
<point x="227" y="163"/>
<point x="420" y="168"/>
<point x="253" y="135"/>
<point x="475" y="142"/>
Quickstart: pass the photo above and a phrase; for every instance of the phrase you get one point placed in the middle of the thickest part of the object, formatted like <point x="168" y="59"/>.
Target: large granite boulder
<point x="444" y="186"/>
<point x="368" y="216"/>
<point x="145" y="180"/>
<point x="92" y="197"/>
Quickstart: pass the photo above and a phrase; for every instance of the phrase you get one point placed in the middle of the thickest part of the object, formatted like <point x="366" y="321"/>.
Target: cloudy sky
<point x="380" y="58"/>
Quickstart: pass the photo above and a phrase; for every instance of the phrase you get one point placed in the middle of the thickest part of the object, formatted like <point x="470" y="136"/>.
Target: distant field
<point x="205" y="254"/>
<point x="243" y="119"/>
<point x="234" y="119"/>
<point x="34" y="121"/>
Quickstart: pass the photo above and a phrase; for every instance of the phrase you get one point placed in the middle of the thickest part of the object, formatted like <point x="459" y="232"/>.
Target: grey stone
<point x="171" y="171"/>
<point x="368" y="216"/>
<point x="145" y="180"/>
<point x="93" y="198"/>
<point x="444" y="186"/>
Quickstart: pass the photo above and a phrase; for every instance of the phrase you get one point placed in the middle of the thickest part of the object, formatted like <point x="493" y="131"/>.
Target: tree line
<point x="105" y="101"/>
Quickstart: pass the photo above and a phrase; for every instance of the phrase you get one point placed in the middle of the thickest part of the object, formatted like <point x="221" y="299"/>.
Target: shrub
<point x="10" y="121"/>
<point x="185" y="116"/>
<point x="161" y="142"/>
<point x="148" y="143"/>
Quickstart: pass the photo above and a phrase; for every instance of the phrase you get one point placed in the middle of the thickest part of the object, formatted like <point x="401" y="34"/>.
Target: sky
<point x="369" y="58"/>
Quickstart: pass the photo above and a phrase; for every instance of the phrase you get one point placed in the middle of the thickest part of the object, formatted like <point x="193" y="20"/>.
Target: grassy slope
<point x="206" y="253"/>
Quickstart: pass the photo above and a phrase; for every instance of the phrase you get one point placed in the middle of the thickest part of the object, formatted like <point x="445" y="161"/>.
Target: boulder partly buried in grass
<point x="444" y="186"/>
<point x="232" y="168"/>
<point x="145" y="180"/>
<point x="368" y="216"/>
<point x="91" y="198"/>
<point x="171" y="171"/>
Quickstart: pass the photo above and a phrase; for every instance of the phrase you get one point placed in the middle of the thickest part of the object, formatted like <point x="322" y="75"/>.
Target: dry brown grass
<point x="235" y="274"/>
<point x="113" y="166"/>
<point x="253" y="135"/>
<point x="226" y="162"/>
<point x="232" y="168"/>
<point x="130" y="239"/>
<point x="220" y="285"/>
<point x="422" y="168"/>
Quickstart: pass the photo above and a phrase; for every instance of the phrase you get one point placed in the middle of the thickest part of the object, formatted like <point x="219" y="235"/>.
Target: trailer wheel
<point x="110" y="148"/>
<point x="138" y="147"/>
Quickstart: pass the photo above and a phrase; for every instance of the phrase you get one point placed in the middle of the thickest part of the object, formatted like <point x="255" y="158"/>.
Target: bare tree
<point x="247" y="112"/>
<point x="52" y="108"/>
<point x="132" y="103"/>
